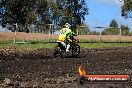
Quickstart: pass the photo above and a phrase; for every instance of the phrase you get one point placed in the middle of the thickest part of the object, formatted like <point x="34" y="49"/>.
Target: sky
<point x="101" y="13"/>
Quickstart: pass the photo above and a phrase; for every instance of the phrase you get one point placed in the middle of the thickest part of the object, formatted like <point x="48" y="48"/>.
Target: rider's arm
<point x="73" y="33"/>
<point x="70" y="32"/>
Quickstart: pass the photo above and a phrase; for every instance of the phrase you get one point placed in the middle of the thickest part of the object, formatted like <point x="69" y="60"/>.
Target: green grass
<point x="36" y="44"/>
<point x="27" y="45"/>
<point x="103" y="41"/>
<point x="104" y="45"/>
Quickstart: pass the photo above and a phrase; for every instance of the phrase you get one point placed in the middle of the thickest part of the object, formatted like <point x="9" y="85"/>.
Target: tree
<point x="126" y="9"/>
<point x="113" y="28"/>
<point x="15" y="11"/>
<point x="37" y="12"/>
<point x="72" y="11"/>
<point x="113" y="23"/>
<point x="83" y="29"/>
<point x="106" y="31"/>
<point x="124" y="30"/>
<point x="21" y="11"/>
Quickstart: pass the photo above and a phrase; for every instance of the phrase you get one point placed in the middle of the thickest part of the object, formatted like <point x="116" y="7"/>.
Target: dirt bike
<point x="74" y="49"/>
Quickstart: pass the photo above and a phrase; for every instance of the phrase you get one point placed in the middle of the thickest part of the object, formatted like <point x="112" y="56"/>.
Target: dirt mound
<point x="38" y="68"/>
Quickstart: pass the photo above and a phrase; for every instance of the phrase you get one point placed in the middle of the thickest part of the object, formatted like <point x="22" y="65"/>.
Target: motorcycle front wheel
<point x="75" y="50"/>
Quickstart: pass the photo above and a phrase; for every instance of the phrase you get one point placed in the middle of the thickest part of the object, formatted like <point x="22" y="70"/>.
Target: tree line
<point x="113" y="29"/>
<point x="38" y="13"/>
<point x="41" y="12"/>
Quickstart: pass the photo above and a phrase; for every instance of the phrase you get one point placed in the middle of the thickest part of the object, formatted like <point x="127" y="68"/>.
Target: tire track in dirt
<point x="40" y="68"/>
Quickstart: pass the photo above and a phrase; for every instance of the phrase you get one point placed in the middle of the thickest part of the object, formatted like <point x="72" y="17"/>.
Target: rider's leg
<point x="67" y="48"/>
<point x="64" y="44"/>
<point x="68" y="45"/>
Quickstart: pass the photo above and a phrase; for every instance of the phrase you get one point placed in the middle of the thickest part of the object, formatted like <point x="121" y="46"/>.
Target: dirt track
<point x="40" y="69"/>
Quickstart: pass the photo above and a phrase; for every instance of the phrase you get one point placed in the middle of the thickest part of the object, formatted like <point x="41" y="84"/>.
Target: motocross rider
<point x="64" y="36"/>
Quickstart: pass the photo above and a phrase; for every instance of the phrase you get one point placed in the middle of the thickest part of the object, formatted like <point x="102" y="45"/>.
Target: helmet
<point x="67" y="25"/>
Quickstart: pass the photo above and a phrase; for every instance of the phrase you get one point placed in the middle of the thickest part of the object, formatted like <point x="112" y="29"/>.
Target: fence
<point x="21" y="36"/>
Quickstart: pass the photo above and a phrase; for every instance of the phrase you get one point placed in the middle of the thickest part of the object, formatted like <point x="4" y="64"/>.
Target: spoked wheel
<point x="75" y="50"/>
<point x="57" y="52"/>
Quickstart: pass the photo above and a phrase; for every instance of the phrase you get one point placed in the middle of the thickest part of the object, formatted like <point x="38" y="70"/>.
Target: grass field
<point x="104" y="45"/>
<point x="27" y="45"/>
<point x="43" y="44"/>
<point x="36" y="40"/>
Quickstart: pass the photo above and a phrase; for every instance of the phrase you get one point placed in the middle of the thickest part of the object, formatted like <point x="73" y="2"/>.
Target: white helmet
<point x="67" y="25"/>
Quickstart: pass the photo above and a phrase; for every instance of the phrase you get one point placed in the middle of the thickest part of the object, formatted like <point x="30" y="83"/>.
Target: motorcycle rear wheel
<point x="75" y="50"/>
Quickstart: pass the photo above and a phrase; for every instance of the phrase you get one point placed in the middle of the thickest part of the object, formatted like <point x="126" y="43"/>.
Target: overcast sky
<point x="101" y="12"/>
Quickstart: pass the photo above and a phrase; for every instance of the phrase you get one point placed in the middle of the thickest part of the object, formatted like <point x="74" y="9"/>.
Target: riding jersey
<point x="64" y="33"/>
